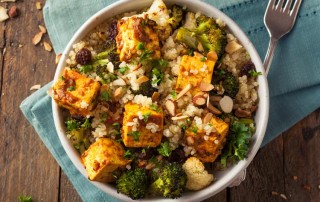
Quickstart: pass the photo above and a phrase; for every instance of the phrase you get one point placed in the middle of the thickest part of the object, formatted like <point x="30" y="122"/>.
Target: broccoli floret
<point x="228" y="81"/>
<point x="207" y="33"/>
<point x="133" y="183"/>
<point x="171" y="181"/>
<point x="110" y="53"/>
<point x="146" y="89"/>
<point x="177" y="15"/>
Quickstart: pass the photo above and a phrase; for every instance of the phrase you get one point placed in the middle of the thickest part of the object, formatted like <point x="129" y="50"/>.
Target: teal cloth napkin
<point x="294" y="78"/>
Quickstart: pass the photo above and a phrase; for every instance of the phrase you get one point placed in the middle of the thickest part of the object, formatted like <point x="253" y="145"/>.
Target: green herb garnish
<point x="123" y="70"/>
<point x="174" y="94"/>
<point x="72" y="124"/>
<point x="194" y="129"/>
<point x="146" y="116"/>
<point x="105" y="96"/>
<point x="203" y="59"/>
<point x="253" y="73"/>
<point x="135" y="135"/>
<point x="25" y="199"/>
<point x="127" y="154"/>
<point x="86" y="124"/>
<point x="155" y="108"/>
<point x="86" y="68"/>
<point x="71" y="88"/>
<point x="164" y="149"/>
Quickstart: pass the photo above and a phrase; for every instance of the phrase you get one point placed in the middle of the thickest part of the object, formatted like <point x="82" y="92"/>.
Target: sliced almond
<point x="136" y="68"/>
<point x="47" y="46"/>
<point x="232" y="46"/>
<point x="207" y="118"/>
<point x="203" y="86"/>
<point x="199" y="93"/>
<point x="184" y="91"/>
<point x="118" y="93"/>
<point x="8" y="1"/>
<point x="200" y="47"/>
<point x="38" y="5"/>
<point x="199" y="100"/>
<point x="155" y="96"/>
<point x="226" y="104"/>
<point x="119" y="82"/>
<point x="213" y="109"/>
<point x="35" y="87"/>
<point x="42" y="29"/>
<point x="142" y="79"/>
<point x="198" y="55"/>
<point x="58" y="56"/>
<point x="3" y="14"/>
<point x="178" y="118"/>
<point x="212" y="56"/>
<point x="37" y="38"/>
<point x="179" y="114"/>
<point x="171" y="107"/>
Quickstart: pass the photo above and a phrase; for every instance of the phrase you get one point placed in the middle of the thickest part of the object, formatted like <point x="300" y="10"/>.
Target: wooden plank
<point x="27" y="168"/>
<point x="302" y="161"/>
<point x="264" y="175"/>
<point x="220" y="197"/>
<point x="67" y="191"/>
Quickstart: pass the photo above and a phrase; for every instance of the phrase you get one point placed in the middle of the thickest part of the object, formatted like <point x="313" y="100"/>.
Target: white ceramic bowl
<point x="224" y="178"/>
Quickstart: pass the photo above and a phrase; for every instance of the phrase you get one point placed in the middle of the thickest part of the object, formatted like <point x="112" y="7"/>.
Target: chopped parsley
<point x="253" y="73"/>
<point x="146" y="116"/>
<point x="123" y="70"/>
<point x="127" y="154"/>
<point x="203" y="59"/>
<point x="194" y="129"/>
<point x="140" y="46"/>
<point x="72" y="124"/>
<point x="135" y="135"/>
<point x="86" y="124"/>
<point x="237" y="145"/>
<point x="174" y="94"/>
<point x="62" y="78"/>
<point x="116" y="125"/>
<point x="164" y="149"/>
<point x="71" y="88"/>
<point x="155" y="108"/>
<point x="25" y="199"/>
<point x="86" y="68"/>
<point x="105" y="96"/>
<point x="104" y="117"/>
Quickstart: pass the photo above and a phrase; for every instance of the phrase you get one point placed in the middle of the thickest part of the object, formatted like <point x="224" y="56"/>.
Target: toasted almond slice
<point x="142" y="79"/>
<point x="8" y="1"/>
<point x="200" y="47"/>
<point x="47" y="46"/>
<point x="119" y="82"/>
<point x="136" y="68"/>
<point x="171" y="107"/>
<point x="207" y="118"/>
<point x="178" y="118"/>
<point x="38" y="5"/>
<point x="213" y="109"/>
<point x="203" y="86"/>
<point x="199" y="94"/>
<point x="155" y="96"/>
<point x="118" y="93"/>
<point x="226" y="104"/>
<point x="197" y="54"/>
<point x="58" y="56"/>
<point x="184" y="91"/>
<point x="42" y="29"/>
<point x="37" y="38"/>
<point x="35" y="87"/>
<point x="199" y="100"/>
<point x="212" y="56"/>
<point x="179" y="114"/>
<point x="3" y="14"/>
<point x="232" y="46"/>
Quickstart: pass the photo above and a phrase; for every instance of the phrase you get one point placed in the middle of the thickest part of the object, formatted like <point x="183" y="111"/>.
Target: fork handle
<point x="270" y="53"/>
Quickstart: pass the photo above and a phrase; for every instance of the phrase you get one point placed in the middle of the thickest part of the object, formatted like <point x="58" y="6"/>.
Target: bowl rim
<point x="263" y="109"/>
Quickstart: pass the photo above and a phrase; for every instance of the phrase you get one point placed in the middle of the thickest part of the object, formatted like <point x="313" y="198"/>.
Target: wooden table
<point x="289" y="165"/>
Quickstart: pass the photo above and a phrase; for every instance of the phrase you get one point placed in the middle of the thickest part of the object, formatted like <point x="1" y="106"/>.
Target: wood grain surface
<point x="288" y="168"/>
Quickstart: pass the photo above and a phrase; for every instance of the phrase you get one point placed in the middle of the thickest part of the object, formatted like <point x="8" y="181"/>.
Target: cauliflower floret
<point x="198" y="177"/>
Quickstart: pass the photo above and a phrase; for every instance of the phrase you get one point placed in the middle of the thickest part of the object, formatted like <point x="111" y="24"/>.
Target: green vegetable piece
<point x="170" y="182"/>
<point x="105" y="96"/>
<point x="140" y="46"/>
<point x="86" y="69"/>
<point x="146" y="116"/>
<point x="25" y="199"/>
<point x="86" y="124"/>
<point x="133" y="183"/>
<point x="253" y="73"/>
<point x="177" y="15"/>
<point x="71" y="88"/>
<point x="72" y="124"/>
<point x="123" y="70"/>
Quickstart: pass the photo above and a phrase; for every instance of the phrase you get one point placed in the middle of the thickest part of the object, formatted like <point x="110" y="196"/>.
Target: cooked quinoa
<point x="153" y="94"/>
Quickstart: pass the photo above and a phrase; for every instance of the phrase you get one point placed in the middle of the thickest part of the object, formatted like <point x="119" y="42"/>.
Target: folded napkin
<point x="294" y="77"/>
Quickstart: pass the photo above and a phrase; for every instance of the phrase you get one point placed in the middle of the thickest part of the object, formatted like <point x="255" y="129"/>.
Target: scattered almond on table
<point x="37" y="38"/>
<point x="42" y="29"/>
<point x="3" y="14"/>
<point x="38" y="5"/>
<point x="58" y="56"/>
<point x="35" y="87"/>
<point x="8" y="1"/>
<point x="47" y="46"/>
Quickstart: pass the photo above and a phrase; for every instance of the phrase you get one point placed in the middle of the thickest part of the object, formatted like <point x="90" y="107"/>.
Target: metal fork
<point x="279" y="19"/>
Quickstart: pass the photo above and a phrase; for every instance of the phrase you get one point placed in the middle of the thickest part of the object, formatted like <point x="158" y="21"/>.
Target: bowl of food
<point x="160" y="100"/>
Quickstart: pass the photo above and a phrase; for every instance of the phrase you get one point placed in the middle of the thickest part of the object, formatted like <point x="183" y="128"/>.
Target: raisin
<point x="83" y="56"/>
<point x="246" y="68"/>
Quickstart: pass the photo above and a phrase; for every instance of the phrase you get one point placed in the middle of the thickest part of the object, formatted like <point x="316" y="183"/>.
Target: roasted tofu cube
<point x="75" y="92"/>
<point x="142" y="126"/>
<point x="193" y="70"/>
<point x="102" y="158"/>
<point x="207" y="146"/>
<point x="134" y="31"/>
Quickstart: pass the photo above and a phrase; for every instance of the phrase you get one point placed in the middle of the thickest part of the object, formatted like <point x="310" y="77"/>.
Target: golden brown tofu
<point x="193" y="70"/>
<point x="75" y="92"/>
<point x="208" y="150"/>
<point x="148" y="126"/>
<point x="102" y="158"/>
<point x="131" y="32"/>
